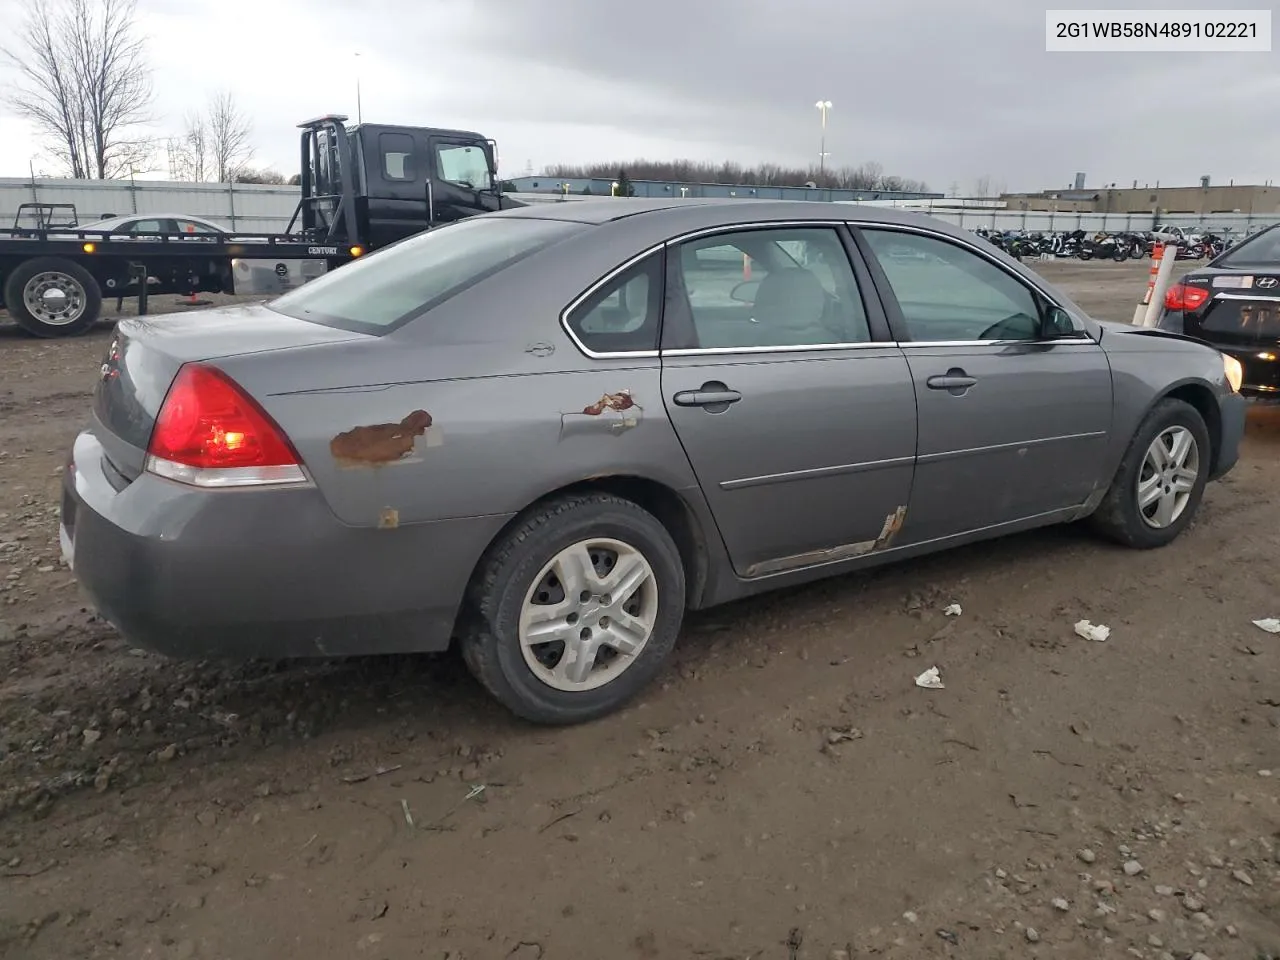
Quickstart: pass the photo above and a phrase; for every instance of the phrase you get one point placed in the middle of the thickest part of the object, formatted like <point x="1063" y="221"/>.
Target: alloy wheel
<point x="589" y="614"/>
<point x="1168" y="476"/>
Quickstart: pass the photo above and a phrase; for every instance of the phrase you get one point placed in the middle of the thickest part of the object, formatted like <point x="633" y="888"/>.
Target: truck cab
<point x="373" y="184"/>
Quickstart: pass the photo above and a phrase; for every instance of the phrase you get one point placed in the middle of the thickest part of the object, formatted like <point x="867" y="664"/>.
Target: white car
<point x="167" y="223"/>
<point x="1181" y="235"/>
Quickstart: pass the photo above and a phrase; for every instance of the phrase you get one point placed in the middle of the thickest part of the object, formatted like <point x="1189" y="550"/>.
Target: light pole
<point x="823" y="106"/>
<point x="359" y="111"/>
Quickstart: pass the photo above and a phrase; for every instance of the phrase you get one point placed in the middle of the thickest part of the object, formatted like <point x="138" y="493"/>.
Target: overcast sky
<point x="938" y="90"/>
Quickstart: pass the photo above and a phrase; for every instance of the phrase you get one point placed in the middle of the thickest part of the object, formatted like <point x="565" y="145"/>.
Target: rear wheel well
<point x="1206" y="404"/>
<point x="670" y="509"/>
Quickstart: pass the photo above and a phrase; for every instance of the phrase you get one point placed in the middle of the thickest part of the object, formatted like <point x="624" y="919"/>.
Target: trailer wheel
<point x="52" y="297"/>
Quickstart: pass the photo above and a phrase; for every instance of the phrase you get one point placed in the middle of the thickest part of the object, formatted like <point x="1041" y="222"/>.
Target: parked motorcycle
<point x="1117" y="247"/>
<point x="1107" y="246"/>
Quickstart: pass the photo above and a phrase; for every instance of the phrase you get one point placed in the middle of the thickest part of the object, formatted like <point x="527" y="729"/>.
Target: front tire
<point x="52" y="297"/>
<point x="1160" y="481"/>
<point x="575" y="610"/>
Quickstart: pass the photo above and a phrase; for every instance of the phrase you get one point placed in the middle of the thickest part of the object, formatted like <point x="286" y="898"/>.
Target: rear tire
<point x="531" y="584"/>
<point x="1153" y="497"/>
<point x="52" y="297"/>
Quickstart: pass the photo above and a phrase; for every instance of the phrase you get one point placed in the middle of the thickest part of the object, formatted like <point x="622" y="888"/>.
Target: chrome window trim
<point x="592" y="291"/>
<point x="792" y="348"/>
<point x="976" y="249"/>
<point x="1085" y="341"/>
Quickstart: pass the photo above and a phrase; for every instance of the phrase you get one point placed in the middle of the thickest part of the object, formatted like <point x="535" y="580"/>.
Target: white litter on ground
<point x="930" y="680"/>
<point x="1092" y="631"/>
<point x="1269" y="624"/>
<point x="952" y="611"/>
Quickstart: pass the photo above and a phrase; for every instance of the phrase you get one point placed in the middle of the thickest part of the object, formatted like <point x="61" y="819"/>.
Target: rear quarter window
<point x="390" y="287"/>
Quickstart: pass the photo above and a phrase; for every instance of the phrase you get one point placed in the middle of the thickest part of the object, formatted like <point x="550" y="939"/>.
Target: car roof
<point x="689" y="213"/>
<point x="129" y="218"/>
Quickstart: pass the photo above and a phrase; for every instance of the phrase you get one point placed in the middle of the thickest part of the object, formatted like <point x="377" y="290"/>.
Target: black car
<point x="1233" y="303"/>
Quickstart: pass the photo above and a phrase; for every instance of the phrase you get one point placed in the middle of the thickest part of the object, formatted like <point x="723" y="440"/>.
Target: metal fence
<point x="244" y="207"/>
<point x="1225" y="224"/>
<point x="258" y="208"/>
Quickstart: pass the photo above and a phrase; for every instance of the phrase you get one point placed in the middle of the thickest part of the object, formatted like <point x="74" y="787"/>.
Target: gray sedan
<point x="544" y="434"/>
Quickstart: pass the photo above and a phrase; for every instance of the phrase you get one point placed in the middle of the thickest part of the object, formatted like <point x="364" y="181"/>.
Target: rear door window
<point x="397" y="156"/>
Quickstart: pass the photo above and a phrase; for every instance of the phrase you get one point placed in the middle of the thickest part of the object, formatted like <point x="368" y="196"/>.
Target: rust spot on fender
<point x="380" y="443"/>
<point x="622" y="403"/>
<point x="389" y="518"/>
<point x="892" y="527"/>
<point x="619" y="401"/>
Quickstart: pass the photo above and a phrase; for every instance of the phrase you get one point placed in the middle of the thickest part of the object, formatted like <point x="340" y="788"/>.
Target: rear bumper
<point x="249" y="574"/>
<point x="1261" y="361"/>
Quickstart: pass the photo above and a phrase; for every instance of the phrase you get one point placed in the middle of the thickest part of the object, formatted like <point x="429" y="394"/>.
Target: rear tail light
<point x="210" y="433"/>
<point x="1184" y="297"/>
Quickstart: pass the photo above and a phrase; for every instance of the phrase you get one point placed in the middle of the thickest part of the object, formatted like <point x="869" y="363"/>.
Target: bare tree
<point x="85" y="84"/>
<point x="229" y="131"/>
<point x="868" y="176"/>
<point x="248" y="175"/>
<point x="982" y="186"/>
<point x="189" y="153"/>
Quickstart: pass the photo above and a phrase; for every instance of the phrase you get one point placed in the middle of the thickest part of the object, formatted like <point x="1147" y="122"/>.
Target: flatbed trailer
<point x="56" y="279"/>
<point x="361" y="188"/>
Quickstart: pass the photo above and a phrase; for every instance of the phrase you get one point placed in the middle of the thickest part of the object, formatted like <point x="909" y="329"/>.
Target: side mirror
<point x="745" y="292"/>
<point x="1058" y="324"/>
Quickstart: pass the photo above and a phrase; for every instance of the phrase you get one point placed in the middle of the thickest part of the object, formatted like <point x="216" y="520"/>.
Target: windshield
<point x="1263" y="248"/>
<point x="464" y="164"/>
<point x="386" y="289"/>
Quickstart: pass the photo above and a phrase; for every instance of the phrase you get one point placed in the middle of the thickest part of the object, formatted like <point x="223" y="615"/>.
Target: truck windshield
<point x="464" y="164"/>
<point x="392" y="286"/>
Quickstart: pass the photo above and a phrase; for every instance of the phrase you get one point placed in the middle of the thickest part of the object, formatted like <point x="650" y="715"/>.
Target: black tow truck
<point x="362" y="187"/>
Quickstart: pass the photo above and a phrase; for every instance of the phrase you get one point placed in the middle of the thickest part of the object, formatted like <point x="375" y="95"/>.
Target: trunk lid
<point x="147" y="352"/>
<point x="1243" y="309"/>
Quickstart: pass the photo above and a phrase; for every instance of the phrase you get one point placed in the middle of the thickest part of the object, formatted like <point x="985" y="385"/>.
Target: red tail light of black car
<point x="1185" y="297"/>
<point x="210" y="433"/>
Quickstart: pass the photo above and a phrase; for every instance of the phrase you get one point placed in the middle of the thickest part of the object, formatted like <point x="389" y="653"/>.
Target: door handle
<point x="706" y="398"/>
<point x="952" y="381"/>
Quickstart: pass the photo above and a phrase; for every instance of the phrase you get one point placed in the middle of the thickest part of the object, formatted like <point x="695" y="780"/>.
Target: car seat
<point x="790" y="306"/>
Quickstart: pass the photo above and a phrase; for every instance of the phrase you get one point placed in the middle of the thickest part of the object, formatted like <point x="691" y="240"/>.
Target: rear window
<point x="1262" y="248"/>
<point x="392" y="286"/>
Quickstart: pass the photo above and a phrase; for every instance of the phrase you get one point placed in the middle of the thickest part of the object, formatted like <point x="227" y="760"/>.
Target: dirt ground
<point x="785" y="791"/>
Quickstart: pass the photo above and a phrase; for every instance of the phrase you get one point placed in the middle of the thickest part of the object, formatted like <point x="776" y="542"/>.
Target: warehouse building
<point x="1203" y="200"/>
